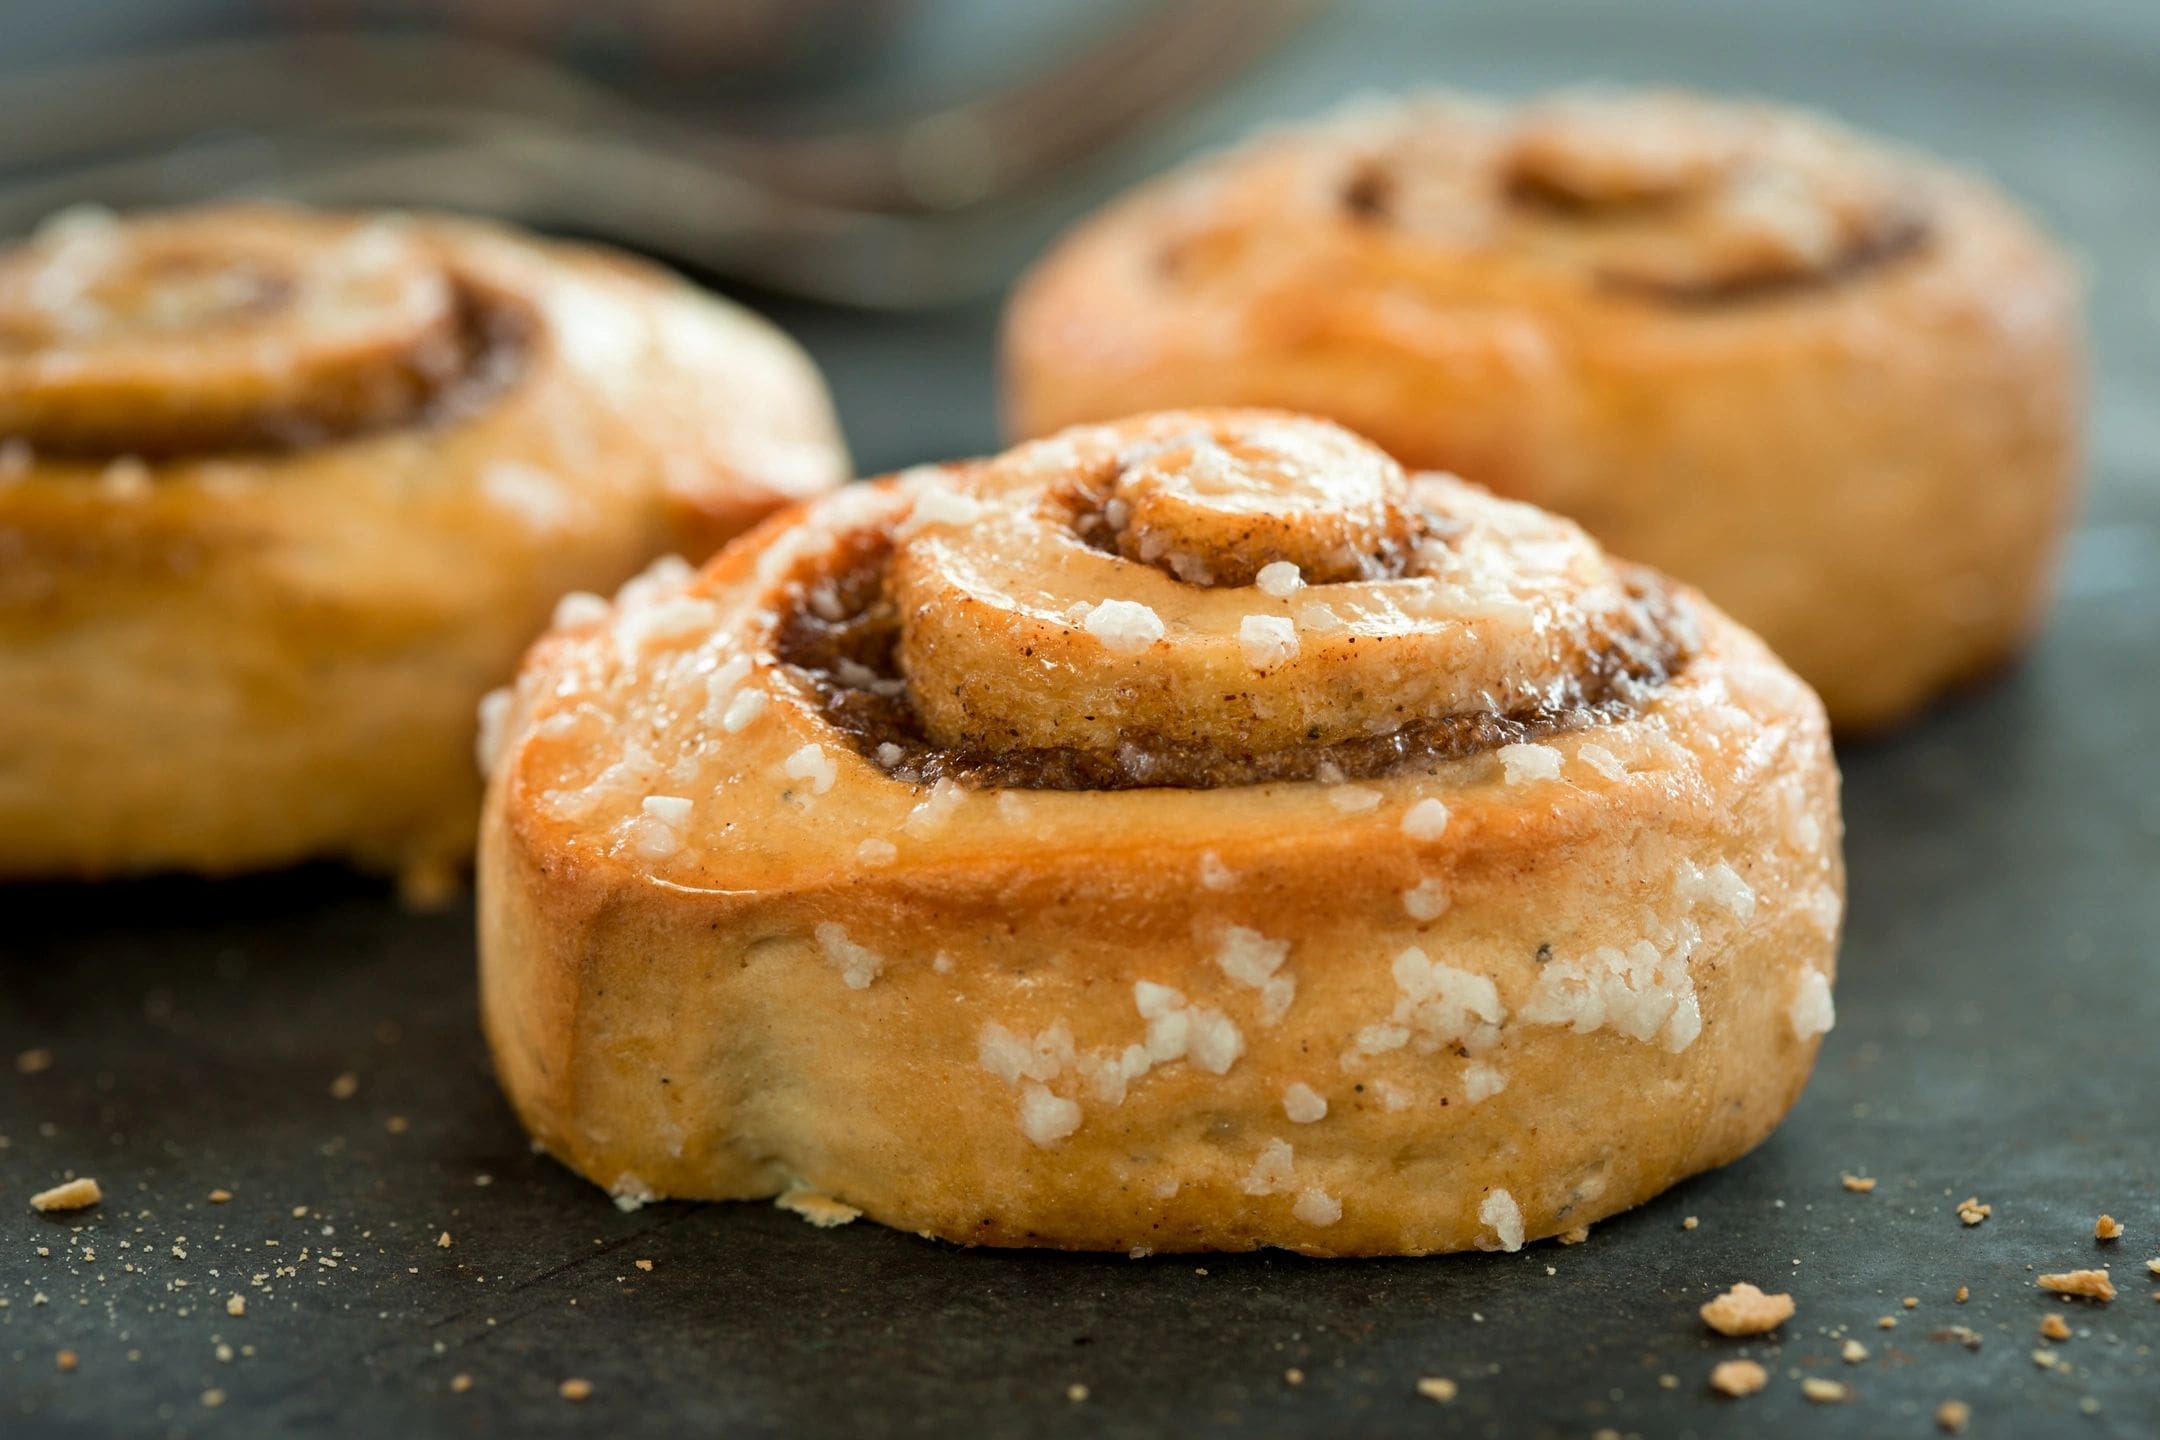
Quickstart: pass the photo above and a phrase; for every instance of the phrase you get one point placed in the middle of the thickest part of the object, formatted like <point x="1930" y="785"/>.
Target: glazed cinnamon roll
<point x="1189" y="833"/>
<point x="283" y="494"/>
<point x="1834" y="384"/>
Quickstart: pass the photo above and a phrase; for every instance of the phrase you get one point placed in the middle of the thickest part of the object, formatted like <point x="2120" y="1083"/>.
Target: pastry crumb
<point x="575" y="1389"/>
<point x="1745" y="1310"/>
<point x="211" y="1399"/>
<point x="1076" y="1392"/>
<point x="345" y="1086"/>
<point x="2107" y="1227"/>
<point x="1826" y="1392"/>
<point x="819" y="1209"/>
<point x="460" y="1383"/>
<point x="1888" y="1322"/>
<point x="1690" y="1223"/>
<point x="1953" y="1416"/>
<point x="2045" y="1359"/>
<point x="1972" y="1212"/>
<point x="77" y="1194"/>
<point x="2089" y="1284"/>
<point x="1435" y="1387"/>
<point x="236" y="1305"/>
<point x="1911" y="1302"/>
<point x="1738" y="1377"/>
<point x="220" y="1196"/>
<point x="66" y="1361"/>
<point x="1293" y="1376"/>
<point x="2054" y="1327"/>
<point x="33" y="1062"/>
<point x="1853" y="1352"/>
<point x="1858" y="1184"/>
<point x="443" y="1241"/>
<point x="1962" y="1295"/>
<point x="645" y="1265"/>
<point x="1575" y="1236"/>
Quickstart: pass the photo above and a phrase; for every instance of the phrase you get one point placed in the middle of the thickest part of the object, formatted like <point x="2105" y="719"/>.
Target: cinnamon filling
<point x="841" y="636"/>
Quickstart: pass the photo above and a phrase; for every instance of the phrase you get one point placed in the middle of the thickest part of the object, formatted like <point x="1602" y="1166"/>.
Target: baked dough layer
<point x="283" y="494"/>
<point x="1836" y="385"/>
<point x="731" y="950"/>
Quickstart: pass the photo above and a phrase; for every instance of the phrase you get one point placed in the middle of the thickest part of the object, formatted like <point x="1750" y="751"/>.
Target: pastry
<point x="283" y="494"/>
<point x="1834" y="384"/>
<point x="1188" y="833"/>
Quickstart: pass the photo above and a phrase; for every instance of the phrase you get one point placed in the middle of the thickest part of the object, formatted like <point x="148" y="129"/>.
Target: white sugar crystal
<point x="1125" y="626"/>
<point x="578" y="608"/>
<point x="1275" y="998"/>
<point x="1316" y="1207"/>
<point x="1379" y="1039"/>
<point x="494" y="719"/>
<point x="1153" y="1000"/>
<point x="811" y="763"/>
<point x="1393" y="1099"/>
<point x="1639" y="991"/>
<point x="1272" y="1172"/>
<point x="534" y="496"/>
<point x="1602" y="760"/>
<point x="1445" y="1006"/>
<point x="1004" y="1054"/>
<point x="1426" y="820"/>
<point x="653" y="839"/>
<point x="1426" y="900"/>
<point x="858" y="964"/>
<point x="667" y="809"/>
<point x="640" y="626"/>
<point x="939" y="506"/>
<point x="1249" y="957"/>
<point x="1280" y="579"/>
<point x="889" y="754"/>
<point x="1353" y="799"/>
<point x="1214" y="875"/>
<point x="1503" y="1217"/>
<point x="1267" y="640"/>
<point x="1825" y="909"/>
<point x="1317" y="617"/>
<point x="1481" y="1081"/>
<point x="1720" y="885"/>
<point x="1215" y="1041"/>
<point x="1521" y="763"/>
<point x="1046" y="1118"/>
<point x="934" y="809"/>
<point x="877" y="852"/>
<point x="745" y="708"/>
<point x="1303" y="1104"/>
<point x="1813" y="1012"/>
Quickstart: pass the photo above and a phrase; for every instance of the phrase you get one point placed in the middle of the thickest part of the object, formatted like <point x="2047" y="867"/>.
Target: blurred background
<point x="874" y="172"/>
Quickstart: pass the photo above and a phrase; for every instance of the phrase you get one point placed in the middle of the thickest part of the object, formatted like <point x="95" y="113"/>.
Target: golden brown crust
<point x="282" y="494"/>
<point x="726" y="953"/>
<point x="1835" y="385"/>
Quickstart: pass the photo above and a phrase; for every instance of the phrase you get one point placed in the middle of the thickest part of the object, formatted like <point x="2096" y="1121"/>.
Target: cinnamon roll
<point x="1834" y="384"/>
<point x="283" y="494"/>
<point x="1188" y="833"/>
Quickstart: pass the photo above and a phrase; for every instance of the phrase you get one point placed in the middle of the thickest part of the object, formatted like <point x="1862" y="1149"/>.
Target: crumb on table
<point x="2107" y="1227"/>
<point x="1437" y="1387"/>
<point x="2089" y="1284"/>
<point x="1738" y="1377"/>
<point x="1953" y="1416"/>
<point x="1745" y="1310"/>
<point x="1972" y="1212"/>
<point x="1825" y="1392"/>
<point x="1858" y="1184"/>
<point x="77" y="1194"/>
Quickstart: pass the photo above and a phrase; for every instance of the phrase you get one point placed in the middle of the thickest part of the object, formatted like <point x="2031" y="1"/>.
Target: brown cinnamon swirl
<point x="1187" y="833"/>
<point x="282" y="494"/>
<point x="1835" y="384"/>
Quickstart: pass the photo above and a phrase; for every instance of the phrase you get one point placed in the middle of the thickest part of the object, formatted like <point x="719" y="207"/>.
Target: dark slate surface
<point x="1997" y="1034"/>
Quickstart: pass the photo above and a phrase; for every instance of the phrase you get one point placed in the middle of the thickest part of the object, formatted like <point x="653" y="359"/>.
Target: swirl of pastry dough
<point x="959" y="850"/>
<point x="183" y="333"/>
<point x="1830" y="381"/>
<point x="1201" y="598"/>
